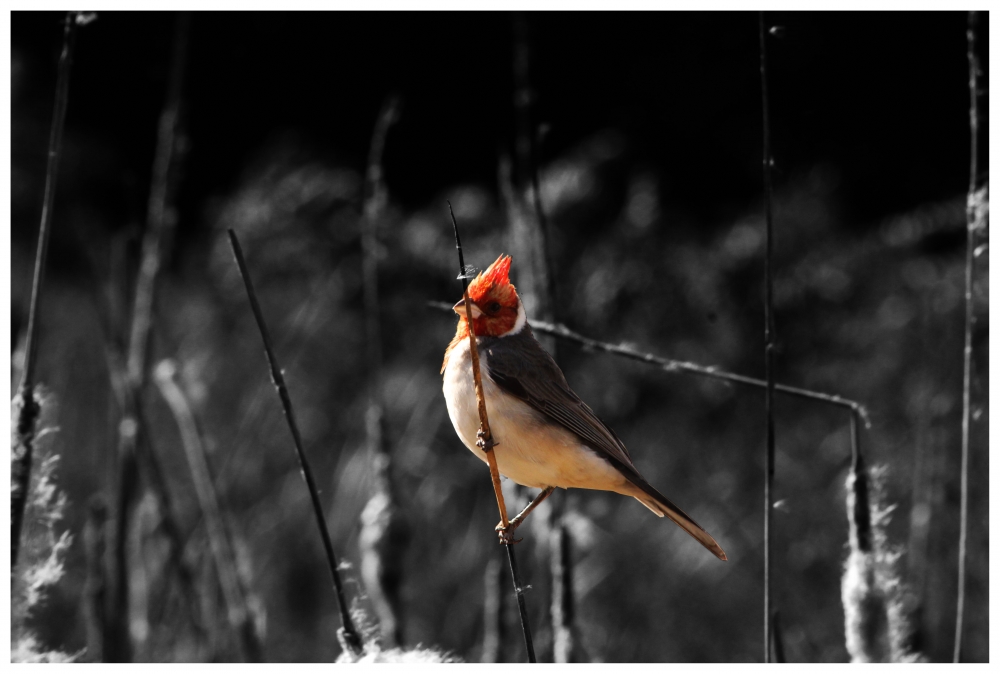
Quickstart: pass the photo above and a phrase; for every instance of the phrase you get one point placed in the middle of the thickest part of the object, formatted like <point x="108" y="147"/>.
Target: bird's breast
<point x="532" y="449"/>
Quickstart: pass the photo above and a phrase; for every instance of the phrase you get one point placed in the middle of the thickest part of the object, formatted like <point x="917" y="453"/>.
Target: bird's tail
<point x="661" y="505"/>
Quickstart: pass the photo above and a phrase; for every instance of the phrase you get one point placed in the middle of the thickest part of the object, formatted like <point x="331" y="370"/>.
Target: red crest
<point x="496" y="275"/>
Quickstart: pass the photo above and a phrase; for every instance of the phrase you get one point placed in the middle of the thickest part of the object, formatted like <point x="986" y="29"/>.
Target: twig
<point x="971" y="225"/>
<point x="240" y="616"/>
<point x="487" y="444"/>
<point x="672" y="365"/>
<point x="382" y="536"/>
<point x="29" y="408"/>
<point x="159" y="226"/>
<point x="485" y="435"/>
<point x="768" y="344"/>
<point x="347" y="631"/>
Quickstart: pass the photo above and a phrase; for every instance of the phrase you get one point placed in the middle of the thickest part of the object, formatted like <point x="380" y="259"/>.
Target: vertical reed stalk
<point x="347" y="632"/>
<point x="383" y="536"/>
<point x="768" y="343"/>
<point x="28" y="407"/>
<point x="971" y="226"/>
<point x="160" y="222"/>
<point x="487" y="443"/>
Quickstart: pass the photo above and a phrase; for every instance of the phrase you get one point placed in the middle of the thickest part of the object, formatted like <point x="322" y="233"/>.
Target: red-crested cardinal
<point x="546" y="437"/>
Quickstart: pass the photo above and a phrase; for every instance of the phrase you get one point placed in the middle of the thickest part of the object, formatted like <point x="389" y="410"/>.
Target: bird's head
<point x="496" y="309"/>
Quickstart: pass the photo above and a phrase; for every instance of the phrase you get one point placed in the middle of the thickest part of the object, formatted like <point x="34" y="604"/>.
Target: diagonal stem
<point x="349" y="632"/>
<point x="487" y="444"/>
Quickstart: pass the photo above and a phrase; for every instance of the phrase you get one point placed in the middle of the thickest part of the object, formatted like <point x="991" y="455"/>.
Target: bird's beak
<point x="459" y="309"/>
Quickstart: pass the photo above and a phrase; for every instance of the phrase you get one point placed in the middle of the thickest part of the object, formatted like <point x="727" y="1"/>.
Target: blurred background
<point x="644" y="133"/>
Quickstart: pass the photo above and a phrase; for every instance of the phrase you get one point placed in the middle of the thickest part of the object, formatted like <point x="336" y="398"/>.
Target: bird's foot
<point x="484" y="443"/>
<point x="506" y="534"/>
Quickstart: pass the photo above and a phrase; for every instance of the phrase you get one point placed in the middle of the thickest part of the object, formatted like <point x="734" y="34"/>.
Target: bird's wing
<point x="521" y="367"/>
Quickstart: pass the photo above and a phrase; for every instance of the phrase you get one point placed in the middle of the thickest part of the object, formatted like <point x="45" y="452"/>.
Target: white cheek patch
<point x="522" y="320"/>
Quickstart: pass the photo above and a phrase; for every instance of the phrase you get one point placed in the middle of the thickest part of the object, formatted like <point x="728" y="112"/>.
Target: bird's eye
<point x="494" y="307"/>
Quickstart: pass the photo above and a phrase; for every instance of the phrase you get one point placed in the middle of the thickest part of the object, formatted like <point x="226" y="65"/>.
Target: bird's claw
<point x="484" y="444"/>
<point x="506" y="534"/>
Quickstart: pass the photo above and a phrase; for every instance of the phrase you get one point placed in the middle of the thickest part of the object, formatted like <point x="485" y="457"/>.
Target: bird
<point x="545" y="435"/>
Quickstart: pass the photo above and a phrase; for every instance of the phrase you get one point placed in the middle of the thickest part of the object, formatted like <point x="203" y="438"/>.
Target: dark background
<point x="869" y="115"/>
<point x="875" y="94"/>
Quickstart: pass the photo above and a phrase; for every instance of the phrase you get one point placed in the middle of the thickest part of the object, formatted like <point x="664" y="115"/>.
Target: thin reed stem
<point x="347" y="630"/>
<point x="485" y="434"/>
<point x="373" y="206"/>
<point x="160" y="217"/>
<point x="238" y="612"/>
<point x="522" y="609"/>
<point x="29" y="408"/>
<point x="768" y="341"/>
<point x="382" y="538"/>
<point x="971" y="226"/>
<point x="487" y="444"/>
<point x="160" y="222"/>
<point x="48" y="199"/>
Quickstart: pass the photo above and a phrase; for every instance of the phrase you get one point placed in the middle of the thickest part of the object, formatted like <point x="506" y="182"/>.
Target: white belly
<point x="532" y="450"/>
